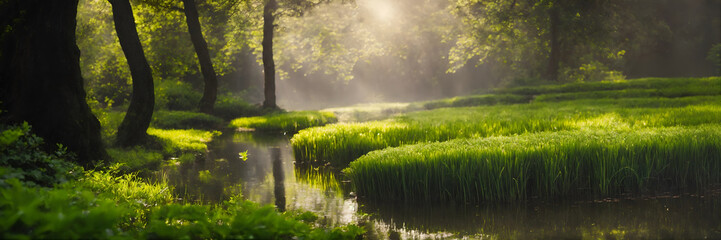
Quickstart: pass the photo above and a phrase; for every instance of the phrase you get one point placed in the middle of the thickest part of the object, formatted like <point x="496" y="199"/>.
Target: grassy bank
<point x="549" y="165"/>
<point x="43" y="195"/>
<point x="284" y="122"/>
<point x="643" y="83"/>
<point x="341" y="143"/>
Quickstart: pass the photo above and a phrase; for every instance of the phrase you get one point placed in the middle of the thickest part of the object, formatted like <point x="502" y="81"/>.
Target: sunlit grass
<point x="371" y="111"/>
<point x="285" y="122"/>
<point x="685" y="91"/>
<point x="341" y="143"/>
<point x="176" y="141"/>
<point x="643" y="83"/>
<point x="581" y="163"/>
<point x="476" y="100"/>
<point x="184" y="120"/>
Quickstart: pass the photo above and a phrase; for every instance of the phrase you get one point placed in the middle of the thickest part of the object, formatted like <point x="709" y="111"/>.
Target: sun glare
<point x="382" y="10"/>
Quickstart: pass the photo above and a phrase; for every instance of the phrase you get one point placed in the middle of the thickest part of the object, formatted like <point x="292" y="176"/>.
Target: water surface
<point x="269" y="176"/>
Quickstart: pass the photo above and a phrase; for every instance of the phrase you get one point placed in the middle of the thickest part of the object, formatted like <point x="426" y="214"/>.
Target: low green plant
<point x="176" y="95"/>
<point x="137" y="158"/>
<point x="549" y="165"/>
<point x="372" y="111"/>
<point x="675" y="92"/>
<point x="285" y="122"/>
<point x="35" y="213"/>
<point x="339" y="144"/>
<point x="178" y="141"/>
<point x="185" y="120"/>
<point x="477" y="100"/>
<point x="229" y="106"/>
<point x="643" y="83"/>
<point x="22" y="157"/>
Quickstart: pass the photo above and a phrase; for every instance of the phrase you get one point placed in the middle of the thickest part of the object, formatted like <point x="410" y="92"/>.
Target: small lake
<point x="270" y="176"/>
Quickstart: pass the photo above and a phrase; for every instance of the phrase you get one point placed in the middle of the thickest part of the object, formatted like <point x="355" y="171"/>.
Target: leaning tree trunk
<point x="555" y="55"/>
<point x="133" y="129"/>
<point x="268" y="63"/>
<point x="201" y="49"/>
<point x="40" y="79"/>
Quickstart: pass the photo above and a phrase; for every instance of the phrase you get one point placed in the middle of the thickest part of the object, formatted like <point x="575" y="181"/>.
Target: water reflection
<point x="270" y="177"/>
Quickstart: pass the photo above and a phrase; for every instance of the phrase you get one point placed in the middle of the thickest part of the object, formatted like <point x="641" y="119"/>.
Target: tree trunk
<point x="555" y="56"/>
<point x="268" y="63"/>
<point x="133" y="129"/>
<point x="201" y="49"/>
<point x="40" y="79"/>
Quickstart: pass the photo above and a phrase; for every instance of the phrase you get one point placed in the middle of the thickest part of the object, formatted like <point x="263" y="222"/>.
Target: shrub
<point x="32" y="213"/>
<point x="22" y="158"/>
<point x="184" y="120"/>
<point x="229" y="107"/>
<point x="176" y="95"/>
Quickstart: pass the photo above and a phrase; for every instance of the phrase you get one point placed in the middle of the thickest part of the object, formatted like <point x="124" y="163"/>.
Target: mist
<point x="396" y="51"/>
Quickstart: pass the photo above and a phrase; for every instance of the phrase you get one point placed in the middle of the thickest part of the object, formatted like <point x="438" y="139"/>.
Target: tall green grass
<point x="643" y="83"/>
<point x="285" y="122"/>
<point x="185" y="120"/>
<point x="178" y="141"/>
<point x="548" y="165"/>
<point x="476" y="100"/>
<point x="341" y="143"/>
<point x="692" y="90"/>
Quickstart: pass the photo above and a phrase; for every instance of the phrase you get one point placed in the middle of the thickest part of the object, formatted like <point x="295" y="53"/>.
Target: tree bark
<point x="268" y="63"/>
<point x="201" y="49"/>
<point x="40" y="80"/>
<point x="133" y="129"/>
<point x="555" y="56"/>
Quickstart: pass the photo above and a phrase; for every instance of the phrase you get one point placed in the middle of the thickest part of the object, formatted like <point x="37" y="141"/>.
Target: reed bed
<point x="340" y="144"/>
<point x="284" y="122"/>
<point x="548" y="165"/>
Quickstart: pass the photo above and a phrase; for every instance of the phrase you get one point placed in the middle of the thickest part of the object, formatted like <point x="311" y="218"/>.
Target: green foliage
<point x="285" y="122"/>
<point x="342" y="143"/>
<point x="235" y="219"/>
<point x="372" y="111"/>
<point x="714" y="55"/>
<point x="33" y="213"/>
<point x="633" y="93"/>
<point x="476" y="100"/>
<point x="549" y="165"/>
<point x="136" y="159"/>
<point x="22" y="157"/>
<point x="176" y="95"/>
<point x="643" y="83"/>
<point x="229" y="106"/>
<point x="177" y="141"/>
<point x="183" y="120"/>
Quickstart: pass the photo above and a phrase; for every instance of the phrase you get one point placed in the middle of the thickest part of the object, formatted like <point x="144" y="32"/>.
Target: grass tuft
<point x="285" y="122"/>
<point x="549" y="165"/>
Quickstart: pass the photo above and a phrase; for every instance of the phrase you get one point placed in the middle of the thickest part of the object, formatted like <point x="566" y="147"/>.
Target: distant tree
<point x="268" y="64"/>
<point x="133" y="129"/>
<point x="40" y="79"/>
<point x="549" y="39"/>
<point x="210" y="91"/>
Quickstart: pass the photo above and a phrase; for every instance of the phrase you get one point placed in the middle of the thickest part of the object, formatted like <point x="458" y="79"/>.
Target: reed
<point x="340" y="144"/>
<point x="284" y="122"/>
<point x="582" y="163"/>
